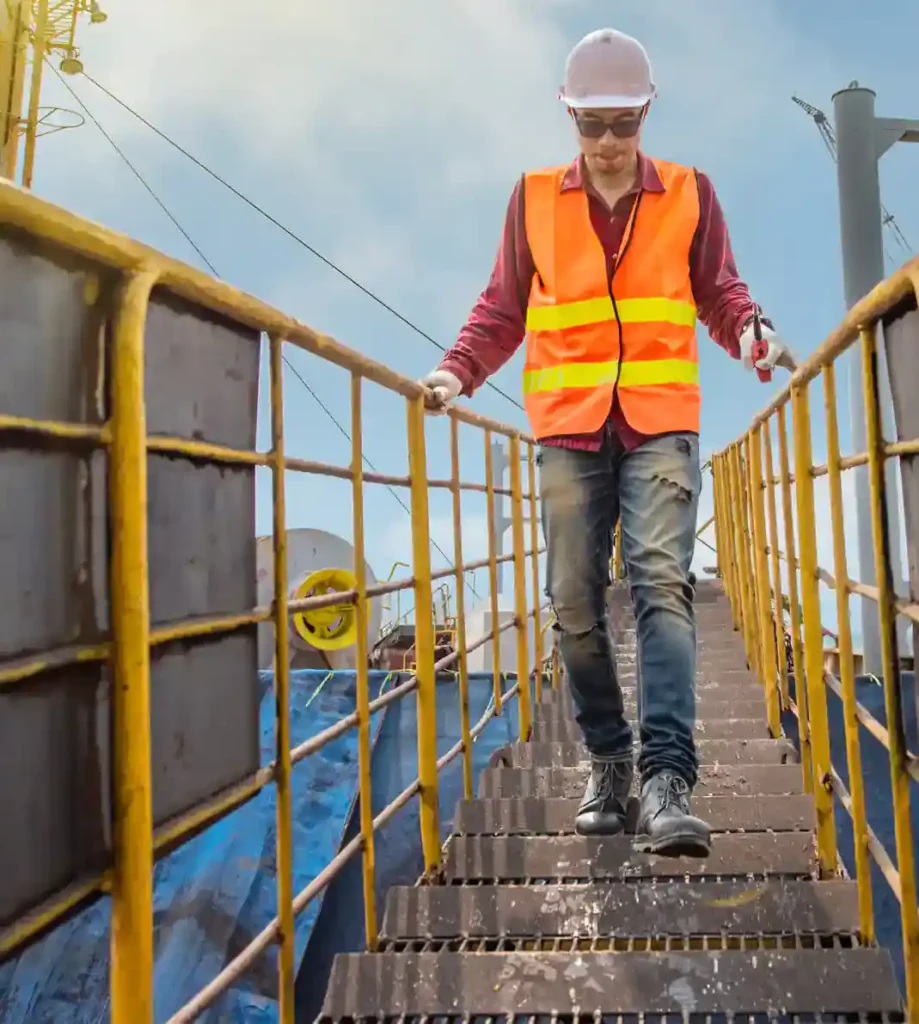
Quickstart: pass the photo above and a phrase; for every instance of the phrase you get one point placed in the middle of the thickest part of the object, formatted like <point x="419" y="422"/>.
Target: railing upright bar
<point x="539" y="655"/>
<point x="525" y="709"/>
<point x="739" y="507"/>
<point x="424" y="638"/>
<point x="726" y="555"/>
<point x="794" y="606"/>
<point x="764" y="603"/>
<point x="847" y="663"/>
<point x="773" y="541"/>
<point x="362" y="677"/>
<point x="730" y="501"/>
<point x="284" y="841"/>
<point x="750" y="534"/>
<point x="463" y="665"/>
<point x="890" y="661"/>
<point x="813" y="633"/>
<point x="132" y="787"/>
<point x="491" y="518"/>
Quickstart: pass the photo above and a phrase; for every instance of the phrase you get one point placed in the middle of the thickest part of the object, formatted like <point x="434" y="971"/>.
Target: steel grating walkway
<point x="535" y="923"/>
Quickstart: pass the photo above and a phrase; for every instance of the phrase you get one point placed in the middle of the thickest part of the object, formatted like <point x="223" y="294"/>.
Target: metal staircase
<point x="532" y="921"/>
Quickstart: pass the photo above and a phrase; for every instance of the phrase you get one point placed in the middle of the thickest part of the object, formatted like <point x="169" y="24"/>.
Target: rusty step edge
<point x="598" y="909"/>
<point x="462" y="985"/>
<point x="710" y="752"/>
<point x="577" y="858"/>
<point x="714" y="780"/>
<point x="555" y="816"/>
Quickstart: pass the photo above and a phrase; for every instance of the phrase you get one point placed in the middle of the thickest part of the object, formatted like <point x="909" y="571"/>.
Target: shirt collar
<point x="648" y="178"/>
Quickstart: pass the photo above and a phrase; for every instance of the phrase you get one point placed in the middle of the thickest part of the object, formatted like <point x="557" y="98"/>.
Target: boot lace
<point x="604" y="778"/>
<point x="675" y="794"/>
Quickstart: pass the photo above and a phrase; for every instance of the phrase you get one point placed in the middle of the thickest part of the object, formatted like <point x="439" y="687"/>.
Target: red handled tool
<point x="760" y="347"/>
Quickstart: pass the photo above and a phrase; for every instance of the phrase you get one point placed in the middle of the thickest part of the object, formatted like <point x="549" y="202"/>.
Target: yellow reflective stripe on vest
<point x="592" y="375"/>
<point x="598" y="311"/>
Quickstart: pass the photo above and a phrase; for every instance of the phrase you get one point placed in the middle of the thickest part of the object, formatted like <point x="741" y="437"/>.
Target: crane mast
<point x="829" y="140"/>
<point x="31" y="32"/>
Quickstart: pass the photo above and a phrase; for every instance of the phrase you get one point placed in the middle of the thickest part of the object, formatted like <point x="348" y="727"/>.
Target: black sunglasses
<point x="592" y="127"/>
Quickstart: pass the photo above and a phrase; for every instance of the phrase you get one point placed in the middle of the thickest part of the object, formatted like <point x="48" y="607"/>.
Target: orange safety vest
<point x="587" y="336"/>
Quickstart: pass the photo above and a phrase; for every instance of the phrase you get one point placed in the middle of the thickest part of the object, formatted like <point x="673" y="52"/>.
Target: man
<point x="605" y="265"/>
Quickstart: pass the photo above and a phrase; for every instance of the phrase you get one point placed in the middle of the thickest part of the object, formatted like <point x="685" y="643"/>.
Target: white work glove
<point x="444" y="388"/>
<point x="776" y="352"/>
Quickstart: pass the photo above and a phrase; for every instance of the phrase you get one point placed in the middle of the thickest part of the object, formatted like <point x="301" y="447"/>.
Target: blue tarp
<point x="878" y="799"/>
<point x="213" y="895"/>
<point x="340" y="927"/>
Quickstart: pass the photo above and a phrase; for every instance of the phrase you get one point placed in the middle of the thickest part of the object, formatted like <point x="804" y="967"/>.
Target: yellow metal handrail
<point x="136" y="844"/>
<point x="750" y="553"/>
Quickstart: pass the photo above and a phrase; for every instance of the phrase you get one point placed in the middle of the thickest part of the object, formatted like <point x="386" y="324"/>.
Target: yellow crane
<point x="32" y="31"/>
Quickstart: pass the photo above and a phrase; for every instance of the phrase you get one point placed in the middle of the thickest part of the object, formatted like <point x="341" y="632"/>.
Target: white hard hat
<point x="607" y="69"/>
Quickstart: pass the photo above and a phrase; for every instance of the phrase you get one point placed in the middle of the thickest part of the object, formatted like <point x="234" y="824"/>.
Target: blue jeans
<point x="654" y="490"/>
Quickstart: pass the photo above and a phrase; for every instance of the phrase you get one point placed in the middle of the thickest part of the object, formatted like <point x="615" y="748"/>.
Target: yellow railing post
<point x="718" y="521"/>
<point x="493" y="571"/>
<point x="424" y="637"/>
<point x="538" y="655"/>
<point x="847" y="663"/>
<point x="728" y="500"/>
<point x="797" y="650"/>
<point x="766" y="620"/>
<point x="738" y="507"/>
<point x="813" y="633"/>
<point x="724" y="514"/>
<point x="773" y="543"/>
<point x="285" y="882"/>
<point x="362" y="680"/>
<point x="460" y="607"/>
<point x="132" y="800"/>
<point x="748" y="489"/>
<point x="520" y="590"/>
<point x="893" y="695"/>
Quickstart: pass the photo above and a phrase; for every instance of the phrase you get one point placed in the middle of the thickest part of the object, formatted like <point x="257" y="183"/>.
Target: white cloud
<point x="470" y="83"/>
<point x="396" y="114"/>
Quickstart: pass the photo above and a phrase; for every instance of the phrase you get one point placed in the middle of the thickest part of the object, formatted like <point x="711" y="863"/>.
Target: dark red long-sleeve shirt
<point x="497" y="323"/>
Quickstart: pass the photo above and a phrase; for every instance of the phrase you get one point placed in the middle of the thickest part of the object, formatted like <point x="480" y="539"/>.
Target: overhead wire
<point x="287" y="231"/>
<point x="137" y="174"/>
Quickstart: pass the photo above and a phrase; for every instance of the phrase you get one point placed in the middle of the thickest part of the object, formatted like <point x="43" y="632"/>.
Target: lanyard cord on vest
<point x="617" y="259"/>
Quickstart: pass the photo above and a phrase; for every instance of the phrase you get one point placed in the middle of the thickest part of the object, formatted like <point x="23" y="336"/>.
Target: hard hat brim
<point x="606" y="102"/>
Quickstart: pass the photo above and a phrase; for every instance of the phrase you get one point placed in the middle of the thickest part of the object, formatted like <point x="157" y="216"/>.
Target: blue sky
<point x="389" y="136"/>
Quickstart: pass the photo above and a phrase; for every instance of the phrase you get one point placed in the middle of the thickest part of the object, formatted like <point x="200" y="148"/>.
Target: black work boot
<point x="603" y="809"/>
<point x="665" y="824"/>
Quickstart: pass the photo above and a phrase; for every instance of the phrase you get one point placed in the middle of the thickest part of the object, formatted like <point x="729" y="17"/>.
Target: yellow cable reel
<point x="335" y="626"/>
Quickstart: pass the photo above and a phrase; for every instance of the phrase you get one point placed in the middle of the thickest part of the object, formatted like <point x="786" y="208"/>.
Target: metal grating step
<point x="735" y="685"/>
<point x="708" y="708"/>
<point x="575" y="858"/>
<point x="769" y="1017"/>
<point x="707" y="662"/>
<point x="514" y="984"/>
<point x="714" y="780"/>
<point x="604" y="910"/>
<point x="711" y="752"/>
<point x="556" y="816"/>
<point x="552" y="725"/>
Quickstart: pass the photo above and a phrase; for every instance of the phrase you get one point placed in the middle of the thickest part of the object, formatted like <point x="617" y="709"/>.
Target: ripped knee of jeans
<point x="577" y="619"/>
<point x="680" y="490"/>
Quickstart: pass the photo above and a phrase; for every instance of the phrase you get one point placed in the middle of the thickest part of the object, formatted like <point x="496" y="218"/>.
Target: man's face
<point x="609" y="138"/>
